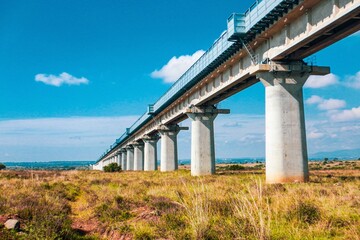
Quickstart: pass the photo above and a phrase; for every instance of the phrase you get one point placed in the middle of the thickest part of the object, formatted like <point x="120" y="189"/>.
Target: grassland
<point x="233" y="204"/>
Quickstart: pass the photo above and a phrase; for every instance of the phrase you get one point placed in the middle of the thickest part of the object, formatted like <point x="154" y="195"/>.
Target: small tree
<point x="112" y="167"/>
<point x="2" y="166"/>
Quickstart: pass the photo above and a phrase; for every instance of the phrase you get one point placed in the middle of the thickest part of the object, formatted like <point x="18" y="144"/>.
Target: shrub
<point x="2" y="166"/>
<point x="112" y="167"/>
<point x="306" y="212"/>
<point x="235" y="167"/>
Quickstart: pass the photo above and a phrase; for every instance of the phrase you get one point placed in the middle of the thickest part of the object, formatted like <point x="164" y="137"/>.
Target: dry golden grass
<point x="234" y="204"/>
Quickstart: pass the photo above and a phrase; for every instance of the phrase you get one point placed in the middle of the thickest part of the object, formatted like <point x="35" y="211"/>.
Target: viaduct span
<point x="267" y="43"/>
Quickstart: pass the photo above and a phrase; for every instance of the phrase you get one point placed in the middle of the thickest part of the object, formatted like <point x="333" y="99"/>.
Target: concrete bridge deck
<point x="268" y="43"/>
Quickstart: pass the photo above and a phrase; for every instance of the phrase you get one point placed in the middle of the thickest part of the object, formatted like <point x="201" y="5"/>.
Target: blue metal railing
<point x="259" y="10"/>
<point x="238" y="25"/>
<point x="219" y="46"/>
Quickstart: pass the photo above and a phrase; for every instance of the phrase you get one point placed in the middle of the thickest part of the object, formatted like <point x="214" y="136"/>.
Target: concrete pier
<point x="286" y="150"/>
<point x="270" y="42"/>
<point x="138" y="156"/>
<point x="150" y="153"/>
<point x="169" y="153"/>
<point x="130" y="158"/>
<point x="123" y="159"/>
<point x="118" y="158"/>
<point x="202" y="139"/>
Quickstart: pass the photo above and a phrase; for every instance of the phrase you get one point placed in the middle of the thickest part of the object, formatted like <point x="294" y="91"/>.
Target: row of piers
<point x="142" y="154"/>
<point x="286" y="150"/>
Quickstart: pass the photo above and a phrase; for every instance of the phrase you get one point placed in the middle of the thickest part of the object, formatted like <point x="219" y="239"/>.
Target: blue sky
<point x="74" y="74"/>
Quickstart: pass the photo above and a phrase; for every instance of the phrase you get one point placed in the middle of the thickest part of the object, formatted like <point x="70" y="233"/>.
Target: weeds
<point x="197" y="208"/>
<point x="113" y="211"/>
<point x="252" y="213"/>
<point x="154" y="205"/>
<point x="144" y="232"/>
<point x="305" y="212"/>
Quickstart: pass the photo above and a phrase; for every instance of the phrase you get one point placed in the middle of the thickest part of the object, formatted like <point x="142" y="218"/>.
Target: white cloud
<point x="63" y="78"/>
<point x="314" y="99"/>
<point x="330" y="104"/>
<point x="327" y="135"/>
<point x="326" y="104"/>
<point x="350" y="128"/>
<point x="315" y="135"/>
<point x="346" y="115"/>
<point x="86" y="138"/>
<point x="73" y="138"/>
<point x="321" y="81"/>
<point x="353" y="81"/>
<point x="176" y="67"/>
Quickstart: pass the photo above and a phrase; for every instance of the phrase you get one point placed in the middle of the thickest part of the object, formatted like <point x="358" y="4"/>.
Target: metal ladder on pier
<point x="254" y="58"/>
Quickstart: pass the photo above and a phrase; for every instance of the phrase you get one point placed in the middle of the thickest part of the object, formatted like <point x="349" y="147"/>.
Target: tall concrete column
<point x="169" y="153"/>
<point x="118" y="158"/>
<point x="286" y="150"/>
<point x="150" y="153"/>
<point x="138" y="156"/>
<point x="130" y="158"/>
<point x="202" y="139"/>
<point x="123" y="159"/>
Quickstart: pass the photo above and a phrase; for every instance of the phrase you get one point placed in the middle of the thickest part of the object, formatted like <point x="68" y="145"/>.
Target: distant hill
<point x="341" y="154"/>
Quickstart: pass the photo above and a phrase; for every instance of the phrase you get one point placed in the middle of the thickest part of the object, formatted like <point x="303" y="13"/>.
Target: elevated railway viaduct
<point x="268" y="44"/>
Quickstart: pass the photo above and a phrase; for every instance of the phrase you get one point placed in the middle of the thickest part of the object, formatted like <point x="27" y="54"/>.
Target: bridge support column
<point x="169" y="153"/>
<point x="150" y="153"/>
<point x="286" y="150"/>
<point x="202" y="139"/>
<point x="130" y="158"/>
<point x="138" y="157"/>
<point x="123" y="159"/>
<point x="118" y="160"/>
<point x="101" y="165"/>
